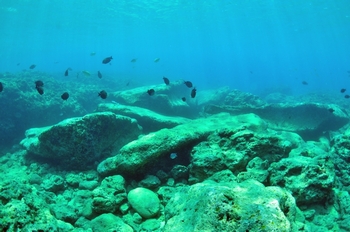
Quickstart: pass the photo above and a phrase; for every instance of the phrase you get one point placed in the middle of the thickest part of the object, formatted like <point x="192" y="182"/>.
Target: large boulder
<point x="145" y="202"/>
<point x="135" y="156"/>
<point x="78" y="143"/>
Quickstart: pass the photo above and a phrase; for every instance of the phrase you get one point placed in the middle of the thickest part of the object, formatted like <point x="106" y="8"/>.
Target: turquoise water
<point x="248" y="45"/>
<point x="284" y="120"/>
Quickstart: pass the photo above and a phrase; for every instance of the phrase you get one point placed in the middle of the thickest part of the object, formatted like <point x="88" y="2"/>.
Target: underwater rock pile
<point x="77" y="143"/>
<point x="223" y="172"/>
<point x="135" y="156"/>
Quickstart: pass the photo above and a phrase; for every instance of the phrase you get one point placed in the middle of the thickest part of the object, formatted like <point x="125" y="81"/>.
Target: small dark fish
<point x="65" y="96"/>
<point x="151" y="92"/>
<point x="32" y="66"/>
<point x="40" y="90"/>
<point x="107" y="60"/>
<point x="133" y="60"/>
<point x="331" y="110"/>
<point x="18" y="64"/>
<point x="183" y="99"/>
<point x="342" y="90"/>
<point x="156" y="60"/>
<point x="103" y="94"/>
<point x="304" y="83"/>
<point x="39" y="83"/>
<point x="188" y="84"/>
<point x="1" y="87"/>
<point x="66" y="73"/>
<point x="99" y="74"/>
<point x="347" y="96"/>
<point x="166" y="81"/>
<point x="127" y="84"/>
<point x="193" y="92"/>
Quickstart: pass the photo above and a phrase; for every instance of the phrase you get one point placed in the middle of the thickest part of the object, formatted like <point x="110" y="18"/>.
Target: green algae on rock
<point x="139" y="153"/>
<point x="78" y="143"/>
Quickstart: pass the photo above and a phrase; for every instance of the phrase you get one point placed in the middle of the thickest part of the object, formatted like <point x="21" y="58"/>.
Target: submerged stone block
<point x="77" y="143"/>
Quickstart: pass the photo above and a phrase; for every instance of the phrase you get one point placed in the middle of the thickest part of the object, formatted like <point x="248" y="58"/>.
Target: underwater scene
<point x="174" y="116"/>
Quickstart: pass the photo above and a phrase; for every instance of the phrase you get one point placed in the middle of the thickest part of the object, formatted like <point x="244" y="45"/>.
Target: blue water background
<point x="248" y="45"/>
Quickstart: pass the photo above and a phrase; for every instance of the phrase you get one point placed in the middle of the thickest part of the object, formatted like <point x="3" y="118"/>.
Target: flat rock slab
<point x="148" y="119"/>
<point x="77" y="143"/>
<point x="167" y="99"/>
<point x="309" y="120"/>
<point x="135" y="155"/>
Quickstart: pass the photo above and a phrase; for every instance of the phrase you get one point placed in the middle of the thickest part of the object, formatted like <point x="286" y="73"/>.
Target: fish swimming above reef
<point x="32" y="66"/>
<point x="39" y="83"/>
<point x="66" y="73"/>
<point x="40" y="89"/>
<point x="65" y="96"/>
<point x="347" y="96"/>
<point x="156" y="60"/>
<point x="103" y="94"/>
<point x="107" y="60"/>
<point x="194" y="92"/>
<point x="188" y="84"/>
<point x="166" y="81"/>
<point x="342" y="90"/>
<point x="304" y="83"/>
<point x="99" y="74"/>
<point x="86" y="73"/>
<point x="331" y="110"/>
<point x="92" y="53"/>
<point x="133" y="60"/>
<point x="1" y="87"/>
<point x="151" y="92"/>
<point x="183" y="99"/>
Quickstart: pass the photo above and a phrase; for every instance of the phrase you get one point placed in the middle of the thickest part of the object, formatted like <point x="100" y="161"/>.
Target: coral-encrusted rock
<point x="248" y="206"/>
<point x="78" y="143"/>
<point x="133" y="157"/>
<point x="309" y="179"/>
<point x="110" y="195"/>
<point x="232" y="149"/>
